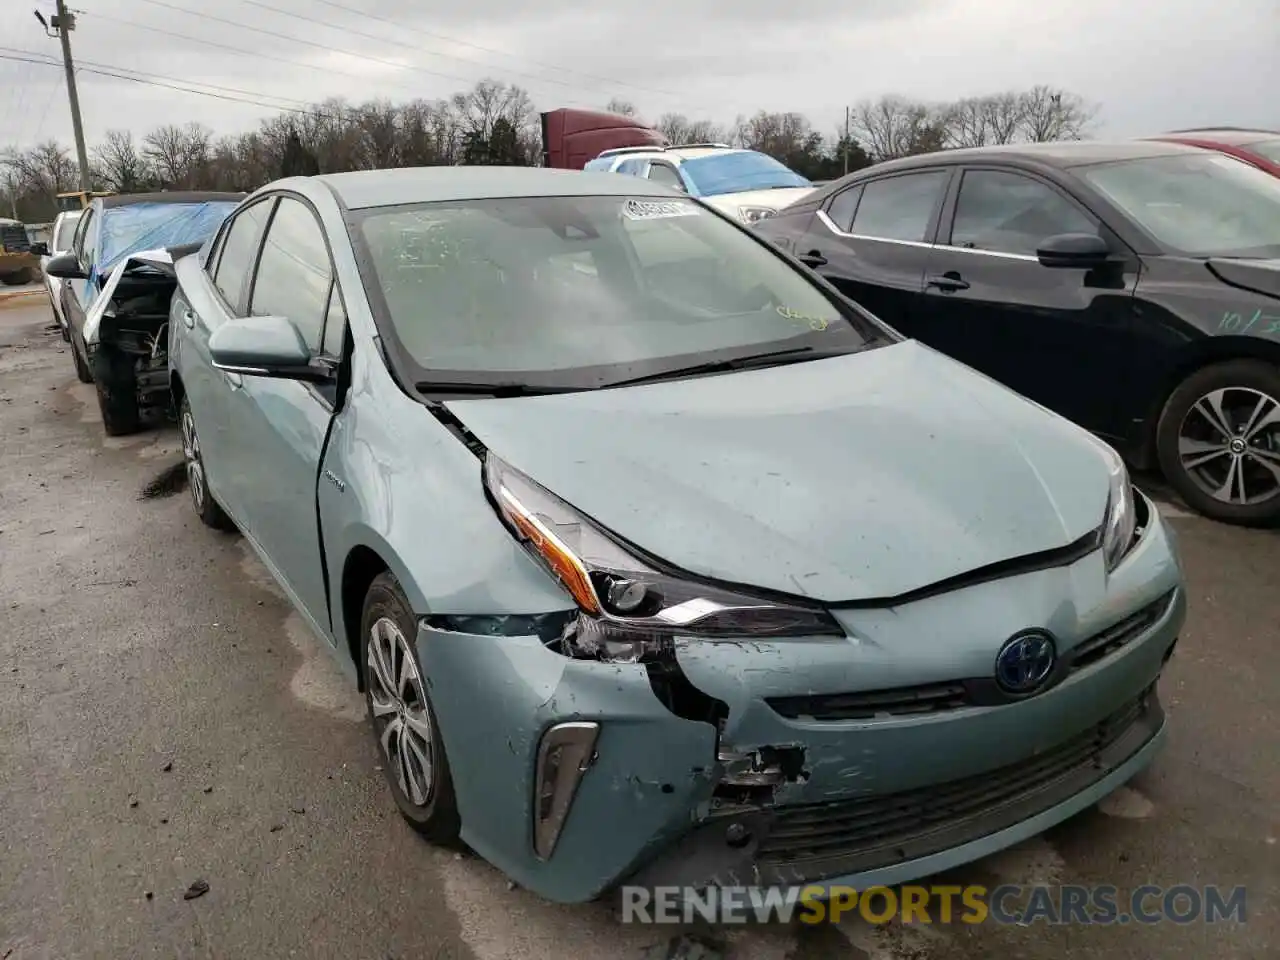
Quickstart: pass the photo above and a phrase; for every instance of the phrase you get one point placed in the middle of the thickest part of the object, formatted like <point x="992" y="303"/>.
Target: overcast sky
<point x="1150" y="66"/>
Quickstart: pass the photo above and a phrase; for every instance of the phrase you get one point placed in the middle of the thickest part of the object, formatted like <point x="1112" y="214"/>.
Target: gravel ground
<point x="166" y="719"/>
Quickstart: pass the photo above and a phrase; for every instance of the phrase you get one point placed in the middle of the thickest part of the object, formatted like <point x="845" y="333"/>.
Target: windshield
<point x="66" y="230"/>
<point x="737" y="172"/>
<point x="1199" y="205"/>
<point x="1267" y="149"/>
<point x="580" y="292"/>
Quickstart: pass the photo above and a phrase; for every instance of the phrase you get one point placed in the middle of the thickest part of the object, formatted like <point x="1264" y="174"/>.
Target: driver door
<point x="1058" y="336"/>
<point x="279" y="427"/>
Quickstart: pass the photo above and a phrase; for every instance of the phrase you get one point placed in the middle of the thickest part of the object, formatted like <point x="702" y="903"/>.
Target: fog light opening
<point x="565" y="754"/>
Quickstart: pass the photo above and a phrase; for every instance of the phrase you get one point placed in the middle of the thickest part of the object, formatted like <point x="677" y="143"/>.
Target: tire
<point x="117" y="383"/>
<point x="83" y="373"/>
<point x="207" y="508"/>
<point x="16" y="279"/>
<point x="1223" y="462"/>
<point x="387" y="625"/>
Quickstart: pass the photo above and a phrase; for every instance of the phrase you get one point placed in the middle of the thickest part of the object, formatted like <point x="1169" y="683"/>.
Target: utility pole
<point x="846" y="141"/>
<point x="63" y="22"/>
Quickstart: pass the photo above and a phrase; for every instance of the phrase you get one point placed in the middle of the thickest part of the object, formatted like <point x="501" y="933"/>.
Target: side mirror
<point x="65" y="266"/>
<point x="1078" y="250"/>
<point x="40" y="249"/>
<point x="265" y="347"/>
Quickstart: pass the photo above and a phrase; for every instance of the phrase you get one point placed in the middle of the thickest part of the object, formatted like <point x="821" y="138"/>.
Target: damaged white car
<point x="116" y="301"/>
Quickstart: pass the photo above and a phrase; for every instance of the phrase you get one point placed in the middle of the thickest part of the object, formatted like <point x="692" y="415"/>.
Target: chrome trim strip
<point x="919" y="244"/>
<point x="574" y="747"/>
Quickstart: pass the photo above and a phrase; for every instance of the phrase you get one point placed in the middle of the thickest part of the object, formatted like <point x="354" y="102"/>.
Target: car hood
<point x="858" y="477"/>
<point x="731" y="203"/>
<point x="1256" y="276"/>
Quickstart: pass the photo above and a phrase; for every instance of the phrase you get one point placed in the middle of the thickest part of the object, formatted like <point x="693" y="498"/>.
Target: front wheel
<point x="15" y="279"/>
<point x="115" y="376"/>
<point x="83" y="373"/>
<point x="404" y="724"/>
<point x="1218" y="442"/>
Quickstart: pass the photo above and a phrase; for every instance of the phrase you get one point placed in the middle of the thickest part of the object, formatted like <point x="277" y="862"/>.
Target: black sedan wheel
<point x="1219" y="441"/>
<point x="404" y="725"/>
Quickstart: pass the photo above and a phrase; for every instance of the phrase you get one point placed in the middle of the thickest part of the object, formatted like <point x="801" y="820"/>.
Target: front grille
<point x="955" y="694"/>
<point x="14" y="239"/>
<point x="905" y="701"/>
<point x="821" y="840"/>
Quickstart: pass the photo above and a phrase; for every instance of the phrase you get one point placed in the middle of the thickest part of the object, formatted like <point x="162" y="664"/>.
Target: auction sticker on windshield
<point x="658" y="209"/>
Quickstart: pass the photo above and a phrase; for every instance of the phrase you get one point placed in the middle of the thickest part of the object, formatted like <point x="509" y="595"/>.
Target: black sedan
<point x="1132" y="287"/>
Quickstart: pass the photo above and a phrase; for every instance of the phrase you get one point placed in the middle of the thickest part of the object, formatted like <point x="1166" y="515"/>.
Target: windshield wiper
<point x="771" y="358"/>
<point x="507" y="389"/>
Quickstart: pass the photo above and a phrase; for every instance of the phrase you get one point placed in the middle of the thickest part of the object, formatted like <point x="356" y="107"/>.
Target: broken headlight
<point x="629" y="609"/>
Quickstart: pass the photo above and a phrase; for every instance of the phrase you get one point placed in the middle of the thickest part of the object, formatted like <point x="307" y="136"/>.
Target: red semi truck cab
<point x="572" y="137"/>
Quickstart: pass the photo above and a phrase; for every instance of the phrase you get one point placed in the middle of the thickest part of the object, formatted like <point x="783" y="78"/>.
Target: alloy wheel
<point x="399" y="706"/>
<point x="1229" y="445"/>
<point x="191" y="454"/>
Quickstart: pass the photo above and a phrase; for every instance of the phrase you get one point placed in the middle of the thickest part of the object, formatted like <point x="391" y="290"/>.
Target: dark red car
<point x="1258" y="147"/>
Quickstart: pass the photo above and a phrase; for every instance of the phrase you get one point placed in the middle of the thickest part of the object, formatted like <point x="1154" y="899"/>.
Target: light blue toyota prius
<point x="658" y="560"/>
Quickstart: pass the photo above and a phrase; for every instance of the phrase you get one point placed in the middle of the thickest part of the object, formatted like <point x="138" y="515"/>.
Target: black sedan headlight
<point x="629" y="609"/>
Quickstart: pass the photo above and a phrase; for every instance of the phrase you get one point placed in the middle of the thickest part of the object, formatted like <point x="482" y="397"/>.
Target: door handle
<point x="813" y="259"/>
<point x="188" y="318"/>
<point x="948" y="282"/>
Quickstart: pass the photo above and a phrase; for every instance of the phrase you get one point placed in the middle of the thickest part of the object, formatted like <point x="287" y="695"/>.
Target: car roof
<point x="360" y="189"/>
<point x="1065" y="154"/>
<point x="168" y="196"/>
<point x="1228" y="136"/>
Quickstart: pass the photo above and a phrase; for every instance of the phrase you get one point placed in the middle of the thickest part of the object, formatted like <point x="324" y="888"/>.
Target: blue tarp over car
<point x="150" y="226"/>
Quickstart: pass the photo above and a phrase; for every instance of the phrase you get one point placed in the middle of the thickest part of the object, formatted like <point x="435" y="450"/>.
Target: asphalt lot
<point x="165" y="718"/>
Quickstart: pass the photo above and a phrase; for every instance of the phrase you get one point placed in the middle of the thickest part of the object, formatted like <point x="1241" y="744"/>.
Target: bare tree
<point x="678" y="129"/>
<point x="480" y="109"/>
<point x="178" y="154"/>
<point x="121" y="166"/>
<point x="624" y="108"/>
<point x="894" y="126"/>
<point x="1051" y="114"/>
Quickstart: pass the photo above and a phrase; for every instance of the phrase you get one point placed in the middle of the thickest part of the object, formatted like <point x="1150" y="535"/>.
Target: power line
<point x="475" y="46"/>
<point x="253" y="94"/>
<point x="408" y="46"/>
<point x="167" y="86"/>
<point x="245" y="53"/>
<point x="311" y="43"/>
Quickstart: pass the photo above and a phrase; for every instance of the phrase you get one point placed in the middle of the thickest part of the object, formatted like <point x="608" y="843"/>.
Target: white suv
<point x="745" y="184"/>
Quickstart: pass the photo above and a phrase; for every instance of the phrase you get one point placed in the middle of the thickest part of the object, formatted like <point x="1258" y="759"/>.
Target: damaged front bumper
<point x="873" y="759"/>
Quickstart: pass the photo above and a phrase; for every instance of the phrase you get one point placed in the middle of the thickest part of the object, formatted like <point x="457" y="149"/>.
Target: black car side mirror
<point x="1073" y="250"/>
<point x="40" y="249"/>
<point x="65" y="266"/>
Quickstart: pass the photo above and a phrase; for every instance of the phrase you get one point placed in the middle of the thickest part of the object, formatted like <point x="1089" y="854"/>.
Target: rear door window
<point x="900" y="208"/>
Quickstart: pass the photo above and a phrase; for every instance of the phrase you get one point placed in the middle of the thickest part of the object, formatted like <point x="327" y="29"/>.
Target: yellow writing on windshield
<point x="814" y="323"/>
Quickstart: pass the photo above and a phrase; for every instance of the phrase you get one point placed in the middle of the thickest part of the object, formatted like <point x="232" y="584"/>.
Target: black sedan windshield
<point x="1200" y="205"/>
<point x="586" y="291"/>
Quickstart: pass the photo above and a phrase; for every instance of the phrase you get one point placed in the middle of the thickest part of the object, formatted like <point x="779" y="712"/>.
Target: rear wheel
<point x="404" y="723"/>
<point x="207" y="509"/>
<point x="14" y="279"/>
<point x="115" y="376"/>
<point x="1218" y="441"/>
